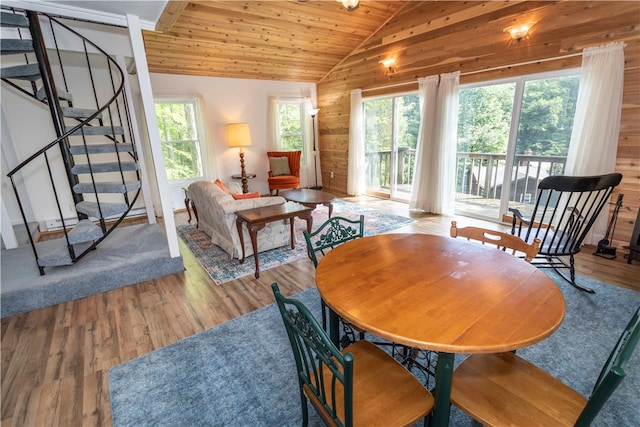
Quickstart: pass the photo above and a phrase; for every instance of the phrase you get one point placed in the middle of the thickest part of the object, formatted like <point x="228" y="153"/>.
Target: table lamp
<point x="238" y="135"/>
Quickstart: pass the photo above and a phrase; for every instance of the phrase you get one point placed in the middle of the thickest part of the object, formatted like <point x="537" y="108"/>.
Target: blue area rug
<point x="221" y="268"/>
<point x="242" y="373"/>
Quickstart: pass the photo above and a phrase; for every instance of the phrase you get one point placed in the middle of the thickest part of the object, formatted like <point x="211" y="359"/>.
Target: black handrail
<point x="64" y="133"/>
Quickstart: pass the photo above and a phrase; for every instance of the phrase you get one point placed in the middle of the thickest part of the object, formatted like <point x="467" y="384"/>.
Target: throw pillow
<point x="221" y="185"/>
<point x="279" y="166"/>
<point x="253" y="195"/>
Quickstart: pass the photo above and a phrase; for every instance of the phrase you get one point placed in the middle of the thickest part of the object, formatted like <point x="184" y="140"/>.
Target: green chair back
<point x="313" y="352"/>
<point x="332" y="233"/>
<point x="613" y="371"/>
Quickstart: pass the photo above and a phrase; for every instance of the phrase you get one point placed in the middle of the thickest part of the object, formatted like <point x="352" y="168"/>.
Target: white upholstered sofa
<point x="217" y="218"/>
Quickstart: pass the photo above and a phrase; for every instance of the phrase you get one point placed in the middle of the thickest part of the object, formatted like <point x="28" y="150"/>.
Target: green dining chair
<point x="360" y="385"/>
<point x="334" y="232"/>
<point x="505" y="389"/>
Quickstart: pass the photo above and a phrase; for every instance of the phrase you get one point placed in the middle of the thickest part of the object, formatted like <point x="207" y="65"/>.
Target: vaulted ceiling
<point x="275" y="40"/>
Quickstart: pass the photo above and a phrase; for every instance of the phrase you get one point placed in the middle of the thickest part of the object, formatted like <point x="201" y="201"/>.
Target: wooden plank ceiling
<point x="272" y="40"/>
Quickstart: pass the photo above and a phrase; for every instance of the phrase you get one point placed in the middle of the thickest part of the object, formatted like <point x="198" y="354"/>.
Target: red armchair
<point x="278" y="180"/>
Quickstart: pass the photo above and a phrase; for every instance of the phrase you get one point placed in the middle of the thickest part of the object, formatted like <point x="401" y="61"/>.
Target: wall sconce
<point x="519" y="31"/>
<point x="350" y="5"/>
<point x="389" y="64"/>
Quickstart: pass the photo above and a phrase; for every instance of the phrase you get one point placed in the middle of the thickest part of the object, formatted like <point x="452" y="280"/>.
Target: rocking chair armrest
<point x="517" y="220"/>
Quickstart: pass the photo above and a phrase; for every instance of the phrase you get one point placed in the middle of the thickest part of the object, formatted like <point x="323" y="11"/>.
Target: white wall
<point x="229" y="100"/>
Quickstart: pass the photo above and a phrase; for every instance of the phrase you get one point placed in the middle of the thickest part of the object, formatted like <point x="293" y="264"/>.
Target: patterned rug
<point x="222" y="269"/>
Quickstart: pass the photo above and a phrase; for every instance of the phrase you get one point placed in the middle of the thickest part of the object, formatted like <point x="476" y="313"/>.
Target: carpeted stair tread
<point x="62" y="94"/>
<point x="13" y="46"/>
<point x="106" y="187"/>
<point x="98" y="130"/>
<point x="13" y="20"/>
<point x="104" y="167"/>
<point x="79" y="113"/>
<point x="84" y="231"/>
<point x="54" y="253"/>
<point x="108" y="209"/>
<point x="23" y="72"/>
<point x="100" y="148"/>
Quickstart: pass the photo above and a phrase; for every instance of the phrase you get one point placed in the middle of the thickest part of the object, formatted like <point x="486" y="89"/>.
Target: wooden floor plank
<point x="55" y="360"/>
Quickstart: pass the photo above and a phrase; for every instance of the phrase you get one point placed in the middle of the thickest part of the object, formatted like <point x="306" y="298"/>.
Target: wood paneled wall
<point x="430" y="38"/>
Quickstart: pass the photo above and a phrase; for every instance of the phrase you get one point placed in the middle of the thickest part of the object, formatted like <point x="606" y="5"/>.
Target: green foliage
<point x="179" y="135"/>
<point x="546" y="121"/>
<point x="291" y="137"/>
<point x="484" y="118"/>
<point x="546" y="118"/>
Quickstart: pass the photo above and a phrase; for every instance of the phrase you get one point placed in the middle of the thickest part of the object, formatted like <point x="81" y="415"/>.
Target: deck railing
<point x="477" y="174"/>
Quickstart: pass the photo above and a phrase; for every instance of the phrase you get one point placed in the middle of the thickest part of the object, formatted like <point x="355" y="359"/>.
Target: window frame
<point x="304" y="131"/>
<point x="519" y="87"/>
<point x="199" y="142"/>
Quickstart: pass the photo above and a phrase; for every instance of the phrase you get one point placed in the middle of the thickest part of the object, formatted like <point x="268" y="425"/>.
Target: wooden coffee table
<point x="257" y="218"/>
<point x="310" y="198"/>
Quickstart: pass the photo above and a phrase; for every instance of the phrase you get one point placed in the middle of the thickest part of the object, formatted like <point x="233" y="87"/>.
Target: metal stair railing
<point x="114" y="127"/>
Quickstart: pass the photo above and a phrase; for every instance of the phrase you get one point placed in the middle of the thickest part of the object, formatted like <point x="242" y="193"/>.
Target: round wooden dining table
<point x="438" y="293"/>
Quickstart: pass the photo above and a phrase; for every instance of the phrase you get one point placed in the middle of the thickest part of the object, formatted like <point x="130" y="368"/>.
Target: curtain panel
<point x="433" y="187"/>
<point x="356" y="184"/>
<point x="594" y="139"/>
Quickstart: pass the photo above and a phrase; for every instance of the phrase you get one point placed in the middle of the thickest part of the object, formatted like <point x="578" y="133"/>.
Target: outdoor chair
<point x="284" y="170"/>
<point x="362" y="385"/>
<point x="500" y="239"/>
<point x="333" y="232"/>
<point x="566" y="208"/>
<point x="505" y="389"/>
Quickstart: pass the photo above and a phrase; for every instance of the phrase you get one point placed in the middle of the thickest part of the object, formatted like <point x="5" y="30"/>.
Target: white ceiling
<point x="107" y="11"/>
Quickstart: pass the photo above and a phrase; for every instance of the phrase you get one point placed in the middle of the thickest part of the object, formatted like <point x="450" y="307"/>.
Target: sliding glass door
<point x="511" y="135"/>
<point x="391" y="135"/>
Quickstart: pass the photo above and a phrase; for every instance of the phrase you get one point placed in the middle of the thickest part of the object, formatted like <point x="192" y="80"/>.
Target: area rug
<point x="242" y="373"/>
<point x="222" y="268"/>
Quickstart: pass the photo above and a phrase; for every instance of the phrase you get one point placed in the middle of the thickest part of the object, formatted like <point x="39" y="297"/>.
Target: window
<point x="511" y="135"/>
<point x="390" y="137"/>
<point x="291" y="127"/>
<point x="180" y="137"/>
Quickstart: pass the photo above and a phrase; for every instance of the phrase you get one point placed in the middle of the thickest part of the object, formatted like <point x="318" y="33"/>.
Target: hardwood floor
<point x="55" y="360"/>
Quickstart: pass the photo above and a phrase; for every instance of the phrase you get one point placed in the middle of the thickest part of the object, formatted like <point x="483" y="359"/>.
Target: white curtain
<point x="434" y="178"/>
<point x="594" y="139"/>
<point x="428" y="92"/>
<point x="273" y="124"/>
<point x="356" y="166"/>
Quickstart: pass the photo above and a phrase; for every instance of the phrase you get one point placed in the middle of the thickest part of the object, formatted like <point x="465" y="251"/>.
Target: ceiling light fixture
<point x="389" y="64"/>
<point x="350" y="5"/>
<point x="518" y="32"/>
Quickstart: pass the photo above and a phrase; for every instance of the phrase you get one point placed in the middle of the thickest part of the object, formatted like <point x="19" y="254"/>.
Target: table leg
<point x="334" y="327"/>
<point x="241" y="235"/>
<point x="293" y="238"/>
<point x="442" y="393"/>
<point x="309" y="218"/>
<point x="253" y="233"/>
<point x="187" y="202"/>
<point x="330" y="206"/>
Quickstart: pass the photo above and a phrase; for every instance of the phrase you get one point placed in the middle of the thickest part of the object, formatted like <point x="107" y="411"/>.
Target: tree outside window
<point x="291" y="127"/>
<point x="178" y="125"/>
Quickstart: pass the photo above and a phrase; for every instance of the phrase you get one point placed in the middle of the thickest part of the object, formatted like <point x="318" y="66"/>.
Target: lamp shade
<point x="238" y="135"/>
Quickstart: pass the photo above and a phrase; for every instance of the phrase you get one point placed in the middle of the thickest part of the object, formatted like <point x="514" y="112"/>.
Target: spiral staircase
<point x="93" y="159"/>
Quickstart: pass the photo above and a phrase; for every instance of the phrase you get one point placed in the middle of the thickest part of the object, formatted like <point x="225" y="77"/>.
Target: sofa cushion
<point x="220" y="185"/>
<point x="240" y="196"/>
<point x="279" y="166"/>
